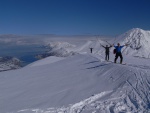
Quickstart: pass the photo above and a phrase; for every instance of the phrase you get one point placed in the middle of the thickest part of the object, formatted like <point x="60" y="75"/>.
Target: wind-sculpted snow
<point x="76" y="84"/>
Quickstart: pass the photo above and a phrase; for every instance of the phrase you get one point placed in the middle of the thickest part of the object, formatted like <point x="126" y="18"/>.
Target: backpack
<point x="114" y="51"/>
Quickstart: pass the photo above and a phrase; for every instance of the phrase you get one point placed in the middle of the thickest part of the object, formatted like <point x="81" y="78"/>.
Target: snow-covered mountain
<point x="9" y="63"/>
<point x="79" y="83"/>
<point x="76" y="46"/>
<point x="139" y="42"/>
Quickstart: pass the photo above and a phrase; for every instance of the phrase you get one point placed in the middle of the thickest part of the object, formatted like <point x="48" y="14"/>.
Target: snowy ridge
<point x="76" y="84"/>
<point x="129" y="97"/>
<point x="139" y="42"/>
<point x="79" y="83"/>
<point x="45" y="61"/>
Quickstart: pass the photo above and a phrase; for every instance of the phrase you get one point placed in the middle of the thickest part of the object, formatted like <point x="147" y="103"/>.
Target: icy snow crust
<point x="82" y="83"/>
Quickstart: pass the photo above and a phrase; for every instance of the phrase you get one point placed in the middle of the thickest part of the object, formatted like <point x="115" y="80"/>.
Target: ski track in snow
<point x="134" y="98"/>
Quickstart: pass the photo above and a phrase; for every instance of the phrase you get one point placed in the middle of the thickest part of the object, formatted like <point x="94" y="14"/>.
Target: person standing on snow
<point x="91" y="49"/>
<point x="106" y="51"/>
<point x="118" y="52"/>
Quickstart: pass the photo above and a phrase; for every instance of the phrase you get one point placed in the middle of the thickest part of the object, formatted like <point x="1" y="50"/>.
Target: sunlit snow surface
<point x="80" y="83"/>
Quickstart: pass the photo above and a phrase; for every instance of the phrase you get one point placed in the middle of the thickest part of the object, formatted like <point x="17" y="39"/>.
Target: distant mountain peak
<point x="137" y="29"/>
<point x="138" y="40"/>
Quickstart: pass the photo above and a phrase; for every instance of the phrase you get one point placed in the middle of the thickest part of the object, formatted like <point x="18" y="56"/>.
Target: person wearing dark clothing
<point x="118" y="53"/>
<point x="106" y="51"/>
<point x="91" y="49"/>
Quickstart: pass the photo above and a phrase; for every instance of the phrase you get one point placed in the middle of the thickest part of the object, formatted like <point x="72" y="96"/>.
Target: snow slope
<point x="76" y="84"/>
<point x="80" y="83"/>
<point x="138" y="40"/>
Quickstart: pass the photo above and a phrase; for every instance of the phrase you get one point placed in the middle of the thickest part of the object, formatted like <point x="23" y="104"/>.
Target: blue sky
<point x="73" y="17"/>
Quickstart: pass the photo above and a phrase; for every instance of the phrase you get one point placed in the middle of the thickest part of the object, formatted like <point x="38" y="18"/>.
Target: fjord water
<point x="26" y="53"/>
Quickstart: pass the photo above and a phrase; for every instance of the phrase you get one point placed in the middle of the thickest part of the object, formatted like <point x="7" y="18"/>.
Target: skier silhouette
<point x="91" y="49"/>
<point x="106" y="51"/>
<point x="118" y="52"/>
